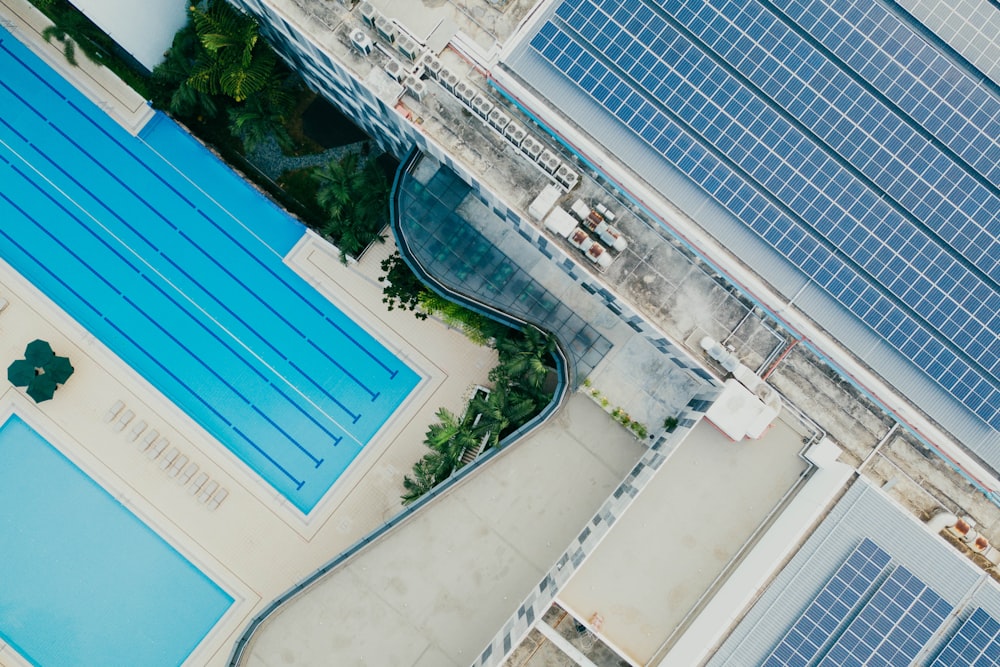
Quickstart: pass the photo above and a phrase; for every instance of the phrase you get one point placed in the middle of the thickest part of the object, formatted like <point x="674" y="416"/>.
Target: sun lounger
<point x="168" y="458"/>
<point x="124" y="420"/>
<point x="217" y="499"/>
<point x="151" y="436"/>
<point x="187" y="473"/>
<point x="207" y="492"/>
<point x="113" y="411"/>
<point x="157" y="448"/>
<point x="137" y="430"/>
<point x="177" y="465"/>
<point x="198" y="482"/>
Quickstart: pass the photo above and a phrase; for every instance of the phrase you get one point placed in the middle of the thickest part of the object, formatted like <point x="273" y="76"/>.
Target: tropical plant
<point x="477" y="327"/>
<point x="400" y="286"/>
<point x="356" y="203"/>
<point x="424" y="478"/>
<point x="504" y="408"/>
<point x="527" y="357"/>
<point x="259" y="118"/>
<point x="171" y="89"/>
<point x="235" y="61"/>
<point x="451" y="436"/>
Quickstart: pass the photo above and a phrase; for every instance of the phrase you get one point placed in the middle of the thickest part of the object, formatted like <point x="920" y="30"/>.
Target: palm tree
<point x="423" y="480"/>
<point x="339" y="182"/>
<point x="257" y="119"/>
<point x="501" y="409"/>
<point x="527" y="358"/>
<point x="170" y="78"/>
<point x="356" y="201"/>
<point x="234" y="62"/>
<point x="450" y="437"/>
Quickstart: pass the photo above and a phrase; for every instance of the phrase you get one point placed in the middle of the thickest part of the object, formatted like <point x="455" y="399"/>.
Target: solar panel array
<point x="835" y="602"/>
<point x="977" y="643"/>
<point x="892" y="627"/>
<point x="808" y="125"/>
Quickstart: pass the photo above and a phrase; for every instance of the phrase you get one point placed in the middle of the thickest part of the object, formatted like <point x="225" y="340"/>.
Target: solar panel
<point x="892" y="57"/>
<point x="827" y="170"/>
<point x="892" y="627"/>
<point x="977" y="643"/>
<point x="834" y="603"/>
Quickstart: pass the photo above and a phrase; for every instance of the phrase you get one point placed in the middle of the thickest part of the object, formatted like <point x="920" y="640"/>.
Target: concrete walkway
<point x="434" y="591"/>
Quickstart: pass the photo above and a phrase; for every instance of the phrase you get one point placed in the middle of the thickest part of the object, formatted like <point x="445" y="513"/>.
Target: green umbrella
<point x="59" y="368"/>
<point x="38" y="352"/>
<point x="42" y="387"/>
<point x="21" y="372"/>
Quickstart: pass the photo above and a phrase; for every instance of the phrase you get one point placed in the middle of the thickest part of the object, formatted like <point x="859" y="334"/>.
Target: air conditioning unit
<point x="514" y="132"/>
<point x="482" y="106"/>
<point x="361" y="41"/>
<point x="409" y="48"/>
<point x="567" y="177"/>
<point x="394" y="69"/>
<point x="386" y="29"/>
<point x="548" y="161"/>
<point x="415" y="87"/>
<point x="498" y="119"/>
<point x="431" y="65"/>
<point x="369" y="14"/>
<point x="448" y="79"/>
<point x="465" y="92"/>
<point x="532" y="147"/>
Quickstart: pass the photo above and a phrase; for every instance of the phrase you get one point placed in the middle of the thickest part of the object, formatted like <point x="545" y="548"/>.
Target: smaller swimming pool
<point x="85" y="581"/>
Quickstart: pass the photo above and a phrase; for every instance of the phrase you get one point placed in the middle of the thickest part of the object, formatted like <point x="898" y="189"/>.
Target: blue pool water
<point x="85" y="582"/>
<point x="175" y="263"/>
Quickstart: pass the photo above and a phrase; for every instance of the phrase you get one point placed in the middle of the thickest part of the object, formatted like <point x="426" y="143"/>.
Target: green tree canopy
<point x="356" y="201"/>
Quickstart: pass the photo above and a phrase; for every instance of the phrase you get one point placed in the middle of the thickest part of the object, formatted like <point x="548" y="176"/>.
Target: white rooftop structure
<point x="145" y="29"/>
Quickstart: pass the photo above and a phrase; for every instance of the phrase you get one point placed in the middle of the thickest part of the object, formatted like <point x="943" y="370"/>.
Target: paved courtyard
<point x="434" y="590"/>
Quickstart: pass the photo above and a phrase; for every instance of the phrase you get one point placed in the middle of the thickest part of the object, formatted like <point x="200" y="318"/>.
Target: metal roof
<point x="863" y="512"/>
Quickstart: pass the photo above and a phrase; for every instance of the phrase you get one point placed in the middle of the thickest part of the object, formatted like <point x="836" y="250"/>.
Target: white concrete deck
<point x="101" y="85"/>
<point x="433" y="591"/>
<point x="255" y="545"/>
<point x="680" y="534"/>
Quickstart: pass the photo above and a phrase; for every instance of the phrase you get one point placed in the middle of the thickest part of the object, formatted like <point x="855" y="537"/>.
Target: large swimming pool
<point x="85" y="582"/>
<point x="175" y="263"/>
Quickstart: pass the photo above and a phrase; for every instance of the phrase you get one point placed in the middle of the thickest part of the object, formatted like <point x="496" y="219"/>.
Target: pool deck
<point x="101" y="85"/>
<point x="255" y="545"/>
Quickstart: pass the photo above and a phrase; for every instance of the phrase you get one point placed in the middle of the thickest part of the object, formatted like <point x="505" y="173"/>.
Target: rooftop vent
<point x="514" y="133"/>
<point x="369" y="14"/>
<point x="482" y="106"/>
<point x="386" y="29"/>
<point x="361" y="41"/>
<point x="567" y="177"/>
<point x="431" y="65"/>
<point x="498" y="119"/>
<point x="409" y="48"/>
<point x="548" y="161"/>
<point x="395" y="70"/>
<point x="415" y="87"/>
<point x="465" y="92"/>
<point x="532" y="147"/>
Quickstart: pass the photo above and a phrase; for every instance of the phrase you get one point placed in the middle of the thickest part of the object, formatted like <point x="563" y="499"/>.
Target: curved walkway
<point x="441" y="228"/>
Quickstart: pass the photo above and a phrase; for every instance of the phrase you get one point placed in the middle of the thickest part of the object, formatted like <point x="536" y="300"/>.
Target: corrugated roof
<point x="864" y="511"/>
